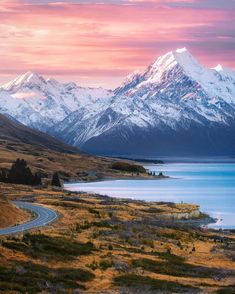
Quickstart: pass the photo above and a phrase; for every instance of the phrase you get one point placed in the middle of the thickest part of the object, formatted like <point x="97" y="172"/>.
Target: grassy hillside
<point x="105" y="245"/>
<point x="15" y="132"/>
<point x="11" y="215"/>
<point x="47" y="155"/>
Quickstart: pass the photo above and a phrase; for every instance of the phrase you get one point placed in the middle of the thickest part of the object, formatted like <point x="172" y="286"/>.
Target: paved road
<point x="44" y="217"/>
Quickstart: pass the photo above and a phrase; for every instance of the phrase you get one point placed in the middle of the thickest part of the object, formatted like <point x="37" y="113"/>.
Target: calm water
<point x="211" y="185"/>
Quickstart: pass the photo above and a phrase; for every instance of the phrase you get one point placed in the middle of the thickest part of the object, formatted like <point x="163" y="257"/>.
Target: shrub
<point x="94" y="265"/>
<point x="78" y="228"/>
<point x="137" y="281"/>
<point x="127" y="167"/>
<point x="42" y="246"/>
<point x="148" y="242"/>
<point x="34" y="278"/>
<point x="227" y="290"/>
<point x="177" y="268"/>
<point x="105" y="264"/>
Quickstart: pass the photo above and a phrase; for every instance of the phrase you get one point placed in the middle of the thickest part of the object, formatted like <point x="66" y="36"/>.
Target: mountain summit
<point x="25" y="79"/>
<point x="216" y="82"/>
<point x="175" y="106"/>
<point x="41" y="103"/>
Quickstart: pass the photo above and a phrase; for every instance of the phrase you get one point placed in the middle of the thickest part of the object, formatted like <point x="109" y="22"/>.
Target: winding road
<point x="44" y="217"/>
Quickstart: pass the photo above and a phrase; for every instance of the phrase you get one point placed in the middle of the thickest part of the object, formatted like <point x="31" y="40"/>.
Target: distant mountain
<point x="175" y="106"/>
<point x="41" y="103"/>
<point x="15" y="133"/>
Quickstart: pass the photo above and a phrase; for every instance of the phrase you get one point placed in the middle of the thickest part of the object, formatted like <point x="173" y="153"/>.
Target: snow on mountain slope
<point x="216" y="82"/>
<point x="41" y="103"/>
<point x="174" y="93"/>
<point x="174" y="100"/>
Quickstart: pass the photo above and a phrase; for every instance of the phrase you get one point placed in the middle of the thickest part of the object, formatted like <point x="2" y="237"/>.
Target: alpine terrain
<point x="42" y="103"/>
<point x="175" y="106"/>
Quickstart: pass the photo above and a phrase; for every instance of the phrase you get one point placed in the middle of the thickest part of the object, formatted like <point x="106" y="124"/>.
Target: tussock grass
<point x="33" y="278"/>
<point x="175" y="268"/>
<point x="148" y="283"/>
<point x="42" y="246"/>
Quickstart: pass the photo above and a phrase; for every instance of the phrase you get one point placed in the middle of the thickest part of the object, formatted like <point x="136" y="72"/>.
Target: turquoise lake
<point x="211" y="185"/>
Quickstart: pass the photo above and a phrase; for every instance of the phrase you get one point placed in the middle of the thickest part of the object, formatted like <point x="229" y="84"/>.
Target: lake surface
<point x="211" y="185"/>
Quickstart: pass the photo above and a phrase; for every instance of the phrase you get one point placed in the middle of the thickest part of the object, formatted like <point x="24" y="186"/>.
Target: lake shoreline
<point x="120" y="178"/>
<point x="200" y="220"/>
<point x="209" y="185"/>
<point x="105" y="239"/>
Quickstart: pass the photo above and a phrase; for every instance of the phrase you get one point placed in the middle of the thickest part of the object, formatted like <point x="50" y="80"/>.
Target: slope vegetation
<point x="47" y="155"/>
<point x="10" y="214"/>
<point x="14" y="132"/>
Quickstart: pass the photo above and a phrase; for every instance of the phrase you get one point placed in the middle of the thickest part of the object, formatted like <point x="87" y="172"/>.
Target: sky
<point x="97" y="43"/>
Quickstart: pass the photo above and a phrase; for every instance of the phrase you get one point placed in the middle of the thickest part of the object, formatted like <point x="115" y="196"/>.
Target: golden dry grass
<point x="10" y="215"/>
<point x="123" y="231"/>
<point x="79" y="166"/>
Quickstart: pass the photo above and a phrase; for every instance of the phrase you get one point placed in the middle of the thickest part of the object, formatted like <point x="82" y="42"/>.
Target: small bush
<point x="127" y="167"/>
<point x="42" y="246"/>
<point x="78" y="228"/>
<point x="179" y="269"/>
<point x="137" y="281"/>
<point x="148" y="242"/>
<point x="227" y="290"/>
<point x="93" y="211"/>
<point x="94" y="265"/>
<point x="105" y="264"/>
<point x="34" y="278"/>
<point x="110" y="247"/>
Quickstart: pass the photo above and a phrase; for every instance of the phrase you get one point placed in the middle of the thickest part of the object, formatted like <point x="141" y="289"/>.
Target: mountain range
<point x="176" y="106"/>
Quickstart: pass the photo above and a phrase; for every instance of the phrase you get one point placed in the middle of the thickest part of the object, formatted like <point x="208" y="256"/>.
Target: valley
<point x="117" y="147"/>
<point x="99" y="244"/>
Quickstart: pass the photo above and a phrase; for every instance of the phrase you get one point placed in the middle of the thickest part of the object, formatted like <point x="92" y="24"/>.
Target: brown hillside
<point x="47" y="155"/>
<point x="15" y="132"/>
<point x="10" y="214"/>
<point x="44" y="153"/>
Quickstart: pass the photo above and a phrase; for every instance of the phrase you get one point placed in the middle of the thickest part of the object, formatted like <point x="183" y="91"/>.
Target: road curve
<point x="44" y="217"/>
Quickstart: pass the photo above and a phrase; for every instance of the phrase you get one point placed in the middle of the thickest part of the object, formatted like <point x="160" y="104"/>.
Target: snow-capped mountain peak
<point x="180" y="57"/>
<point x="217" y="82"/>
<point x="218" y="68"/>
<point x="24" y="79"/>
<point x="225" y="71"/>
<point x="40" y="103"/>
<point x="130" y="81"/>
<point x="181" y="50"/>
<point x="174" y="96"/>
<point x="53" y="81"/>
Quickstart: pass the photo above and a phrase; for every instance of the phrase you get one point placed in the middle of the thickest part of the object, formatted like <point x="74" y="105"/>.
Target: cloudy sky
<point x="97" y="42"/>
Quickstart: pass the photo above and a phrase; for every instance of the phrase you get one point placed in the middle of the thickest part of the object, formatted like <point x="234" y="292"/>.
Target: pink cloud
<point x="90" y="42"/>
